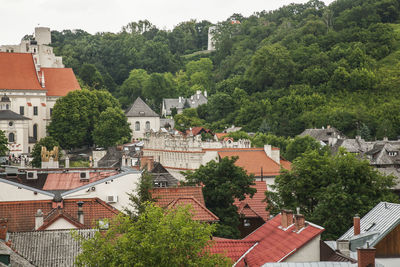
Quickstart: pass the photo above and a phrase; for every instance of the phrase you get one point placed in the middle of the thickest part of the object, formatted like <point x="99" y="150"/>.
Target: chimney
<point x="274" y="154"/>
<point x="299" y="221"/>
<point x="38" y="219"/>
<point x="42" y="80"/>
<point x="286" y="218"/>
<point x="3" y="229"/>
<point x="344" y="247"/>
<point x="366" y="256"/>
<point x="205" y="93"/>
<point x="180" y="99"/>
<point x="80" y="212"/>
<point x="67" y="162"/>
<point x="356" y="223"/>
<point x="95" y="163"/>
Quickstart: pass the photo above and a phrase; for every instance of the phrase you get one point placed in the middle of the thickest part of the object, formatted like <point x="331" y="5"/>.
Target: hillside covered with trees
<point x="301" y="66"/>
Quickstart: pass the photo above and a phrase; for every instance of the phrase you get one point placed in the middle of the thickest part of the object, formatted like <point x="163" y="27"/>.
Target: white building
<point x="142" y="119"/>
<point x="33" y="90"/>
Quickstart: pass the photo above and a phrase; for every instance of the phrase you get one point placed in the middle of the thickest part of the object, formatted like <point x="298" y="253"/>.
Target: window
<point x="35" y="130"/>
<point x="51" y="111"/>
<point x="10" y="123"/>
<point x="35" y="110"/>
<point x="11" y="138"/>
<point x="21" y="110"/>
<point x="147" y="125"/>
<point x="137" y="126"/>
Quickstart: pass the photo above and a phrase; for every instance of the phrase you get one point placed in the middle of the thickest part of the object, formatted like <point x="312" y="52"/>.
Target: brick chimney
<point x="286" y="218"/>
<point x="366" y="257"/>
<point x="299" y="221"/>
<point x="3" y="229"/>
<point x="147" y="161"/>
<point x="38" y="219"/>
<point x="81" y="218"/>
<point x="356" y="224"/>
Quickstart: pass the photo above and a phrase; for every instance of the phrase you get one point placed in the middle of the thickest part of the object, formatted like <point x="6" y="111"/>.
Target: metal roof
<point x="376" y="224"/>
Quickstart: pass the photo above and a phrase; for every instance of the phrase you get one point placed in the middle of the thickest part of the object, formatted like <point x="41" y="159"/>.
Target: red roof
<point x="276" y="244"/>
<point x="71" y="180"/>
<point x="255" y="206"/>
<point x="20" y="215"/>
<point x="255" y="161"/>
<point x="200" y="212"/>
<point x="17" y="71"/>
<point x="166" y="195"/>
<point x="59" y="81"/>
<point x="220" y="135"/>
<point x="230" y="248"/>
<point x="197" y="130"/>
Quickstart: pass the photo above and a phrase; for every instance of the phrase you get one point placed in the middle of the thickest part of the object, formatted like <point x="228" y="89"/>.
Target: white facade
<point x="15" y="192"/>
<point x="310" y="252"/>
<point x="211" y="41"/>
<point x="18" y="142"/>
<point x="113" y="191"/>
<point x="42" y="53"/>
<point x="139" y="125"/>
<point x="61" y="224"/>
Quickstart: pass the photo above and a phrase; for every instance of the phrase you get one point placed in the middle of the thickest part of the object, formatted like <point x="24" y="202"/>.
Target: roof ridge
<point x="198" y="202"/>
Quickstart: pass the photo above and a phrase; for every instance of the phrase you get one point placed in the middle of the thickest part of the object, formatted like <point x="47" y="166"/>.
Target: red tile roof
<point x="255" y="206"/>
<point x="221" y="135"/>
<point x="255" y="161"/>
<point x="165" y="196"/>
<point x="200" y="212"/>
<point x="197" y="130"/>
<point x="17" y="71"/>
<point x="276" y="244"/>
<point x="60" y="81"/>
<point x="21" y="214"/>
<point x="71" y="180"/>
<point x="230" y="248"/>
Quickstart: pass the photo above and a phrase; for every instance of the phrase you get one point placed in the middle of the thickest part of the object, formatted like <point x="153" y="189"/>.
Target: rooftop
<point x="140" y="109"/>
<point x="255" y="206"/>
<point x="164" y="196"/>
<point x="200" y="212"/>
<point x="60" y="81"/>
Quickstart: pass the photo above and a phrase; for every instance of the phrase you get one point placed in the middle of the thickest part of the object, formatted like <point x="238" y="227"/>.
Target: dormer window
<point x="141" y="113"/>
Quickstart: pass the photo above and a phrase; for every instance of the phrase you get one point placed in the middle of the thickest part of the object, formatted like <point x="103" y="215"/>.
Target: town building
<point x="177" y="105"/>
<point x="32" y="82"/>
<point x="142" y="119"/>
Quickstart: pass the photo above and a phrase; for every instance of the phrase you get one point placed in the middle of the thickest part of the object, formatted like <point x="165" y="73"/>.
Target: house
<point x="180" y="103"/>
<point x="184" y="196"/>
<point x="110" y="185"/>
<point x="8" y="257"/>
<point x="324" y="135"/>
<point x="142" y="118"/>
<point x="285" y="238"/>
<point x="31" y="84"/>
<point x="252" y="210"/>
<point x="77" y="213"/>
<point x="378" y="230"/>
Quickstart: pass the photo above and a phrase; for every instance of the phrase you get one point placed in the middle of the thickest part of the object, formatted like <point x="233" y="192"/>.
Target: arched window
<point x="35" y="130"/>
<point x="11" y="138"/>
<point x="137" y="126"/>
<point x="147" y="125"/>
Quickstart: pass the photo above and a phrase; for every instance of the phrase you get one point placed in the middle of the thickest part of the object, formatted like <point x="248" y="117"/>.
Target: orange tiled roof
<point x="221" y="135"/>
<point x="20" y="215"/>
<point x="275" y="244"/>
<point x="256" y="206"/>
<point x="231" y="248"/>
<point x="164" y="196"/>
<point x="71" y="180"/>
<point x="60" y="81"/>
<point x="17" y="71"/>
<point x="254" y="161"/>
<point x="200" y="212"/>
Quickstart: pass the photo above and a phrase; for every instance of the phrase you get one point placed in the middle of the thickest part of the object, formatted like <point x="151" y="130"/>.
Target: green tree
<point x="48" y="142"/>
<point x="75" y="115"/>
<point x="299" y="145"/>
<point x="157" y="238"/>
<point x="133" y="85"/>
<point x="222" y="183"/>
<point x="322" y="185"/>
<point x="3" y="143"/>
<point x="187" y="119"/>
<point x="112" y="128"/>
<point x="91" y="76"/>
<point x="139" y="199"/>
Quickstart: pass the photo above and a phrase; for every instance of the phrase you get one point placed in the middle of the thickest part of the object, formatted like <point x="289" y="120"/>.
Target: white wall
<point x="119" y="186"/>
<point x="307" y="253"/>
<point x="12" y="193"/>
<point x="61" y="224"/>
<point x="154" y="124"/>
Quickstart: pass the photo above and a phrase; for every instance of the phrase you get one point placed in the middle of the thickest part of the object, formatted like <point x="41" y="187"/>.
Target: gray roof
<point x="323" y="134"/>
<point x="11" y="115"/>
<point x="140" y="109"/>
<point x="49" y="248"/>
<point x="160" y="174"/>
<point x="375" y="225"/>
<point x="16" y="260"/>
<point x="193" y="102"/>
<point x="310" y="264"/>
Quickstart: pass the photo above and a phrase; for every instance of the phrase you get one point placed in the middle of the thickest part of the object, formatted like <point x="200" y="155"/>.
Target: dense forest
<point x="301" y="66"/>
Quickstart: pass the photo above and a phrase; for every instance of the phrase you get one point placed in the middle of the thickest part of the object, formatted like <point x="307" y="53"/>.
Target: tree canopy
<point x="157" y="238"/>
<point x="3" y="143"/>
<point x="223" y="182"/>
<point x="323" y="185"/>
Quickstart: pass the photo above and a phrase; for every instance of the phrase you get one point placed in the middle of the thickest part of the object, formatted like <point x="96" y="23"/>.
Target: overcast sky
<point x="20" y="17"/>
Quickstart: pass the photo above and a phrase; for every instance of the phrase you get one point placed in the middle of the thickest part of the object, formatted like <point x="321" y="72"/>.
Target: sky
<point x="20" y="17"/>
